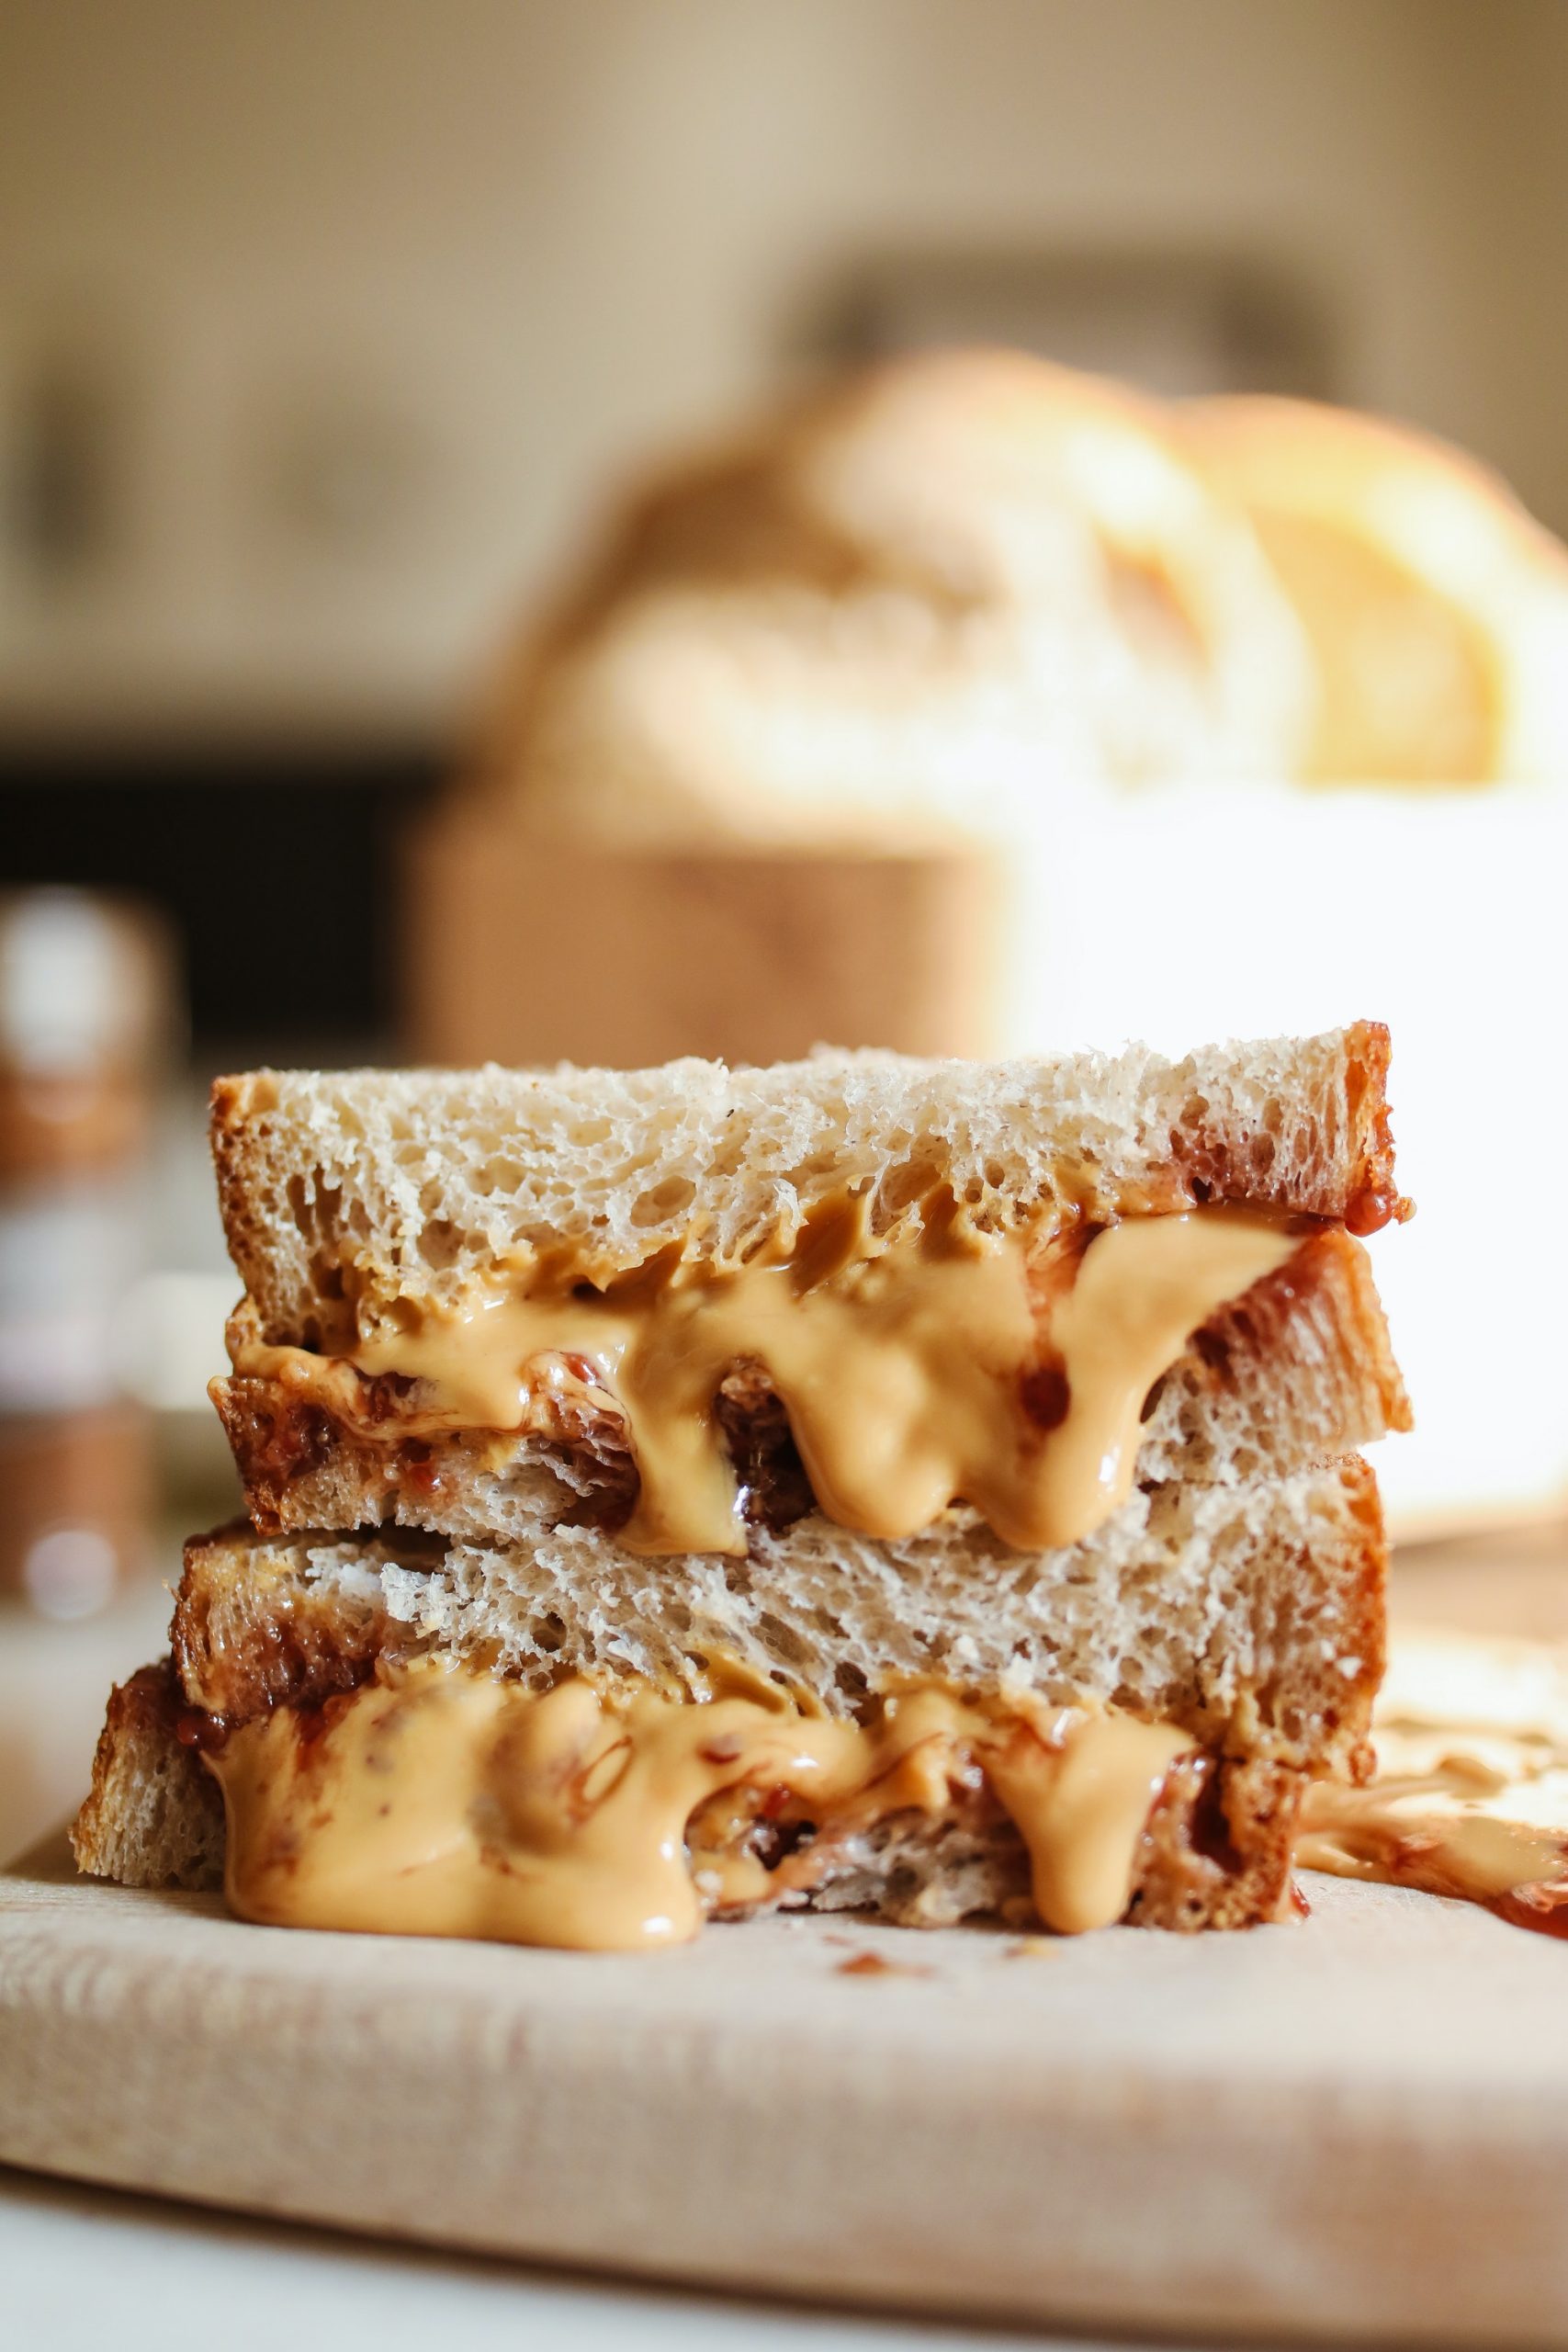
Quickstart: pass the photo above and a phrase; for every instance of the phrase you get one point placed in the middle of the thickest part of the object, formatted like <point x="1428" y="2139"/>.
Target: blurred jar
<point x="86" y="1015"/>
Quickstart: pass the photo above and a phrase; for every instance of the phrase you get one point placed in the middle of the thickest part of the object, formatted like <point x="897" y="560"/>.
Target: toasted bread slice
<point x="1297" y="1371"/>
<point x="1216" y="1853"/>
<point x="344" y="1194"/>
<point x="153" y="1818"/>
<point x="1250" y="1619"/>
<point x="1251" y="1616"/>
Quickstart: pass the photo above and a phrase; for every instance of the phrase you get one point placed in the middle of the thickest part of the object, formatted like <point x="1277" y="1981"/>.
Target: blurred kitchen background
<point x="330" y="332"/>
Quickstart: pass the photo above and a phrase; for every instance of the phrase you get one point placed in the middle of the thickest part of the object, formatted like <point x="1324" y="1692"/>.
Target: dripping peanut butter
<point x="1479" y="1816"/>
<point x="444" y="1802"/>
<point x="911" y="1363"/>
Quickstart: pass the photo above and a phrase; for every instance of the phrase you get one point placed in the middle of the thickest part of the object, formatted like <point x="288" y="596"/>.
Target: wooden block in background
<point x="527" y="951"/>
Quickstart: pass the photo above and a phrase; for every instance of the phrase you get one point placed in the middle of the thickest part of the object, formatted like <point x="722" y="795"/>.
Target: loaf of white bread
<point x="903" y="608"/>
<point x="919" y="605"/>
<point x="923" y="1487"/>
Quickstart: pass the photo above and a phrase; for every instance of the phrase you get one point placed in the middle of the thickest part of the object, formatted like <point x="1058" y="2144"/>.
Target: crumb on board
<point x="871" y="1964"/>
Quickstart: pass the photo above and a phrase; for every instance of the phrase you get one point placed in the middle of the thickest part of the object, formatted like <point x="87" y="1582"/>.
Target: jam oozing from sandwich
<point x="915" y="1365"/>
<point x="442" y="1801"/>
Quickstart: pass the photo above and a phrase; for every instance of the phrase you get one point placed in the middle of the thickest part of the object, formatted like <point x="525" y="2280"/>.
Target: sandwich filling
<point x="927" y="1365"/>
<point x="438" y="1799"/>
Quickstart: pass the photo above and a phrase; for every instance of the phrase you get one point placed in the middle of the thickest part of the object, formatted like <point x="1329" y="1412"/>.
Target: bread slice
<point x="344" y="1193"/>
<point x="1252" y="1618"/>
<point x="153" y="1818"/>
<point x="1216" y="1851"/>
<point x="1298" y="1369"/>
<point x="506" y="1693"/>
<point x="355" y="1206"/>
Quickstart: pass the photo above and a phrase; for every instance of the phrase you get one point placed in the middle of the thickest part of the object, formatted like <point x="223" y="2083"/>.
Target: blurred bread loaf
<point x="908" y="606"/>
<point x="1437" y="608"/>
<point x="900" y="610"/>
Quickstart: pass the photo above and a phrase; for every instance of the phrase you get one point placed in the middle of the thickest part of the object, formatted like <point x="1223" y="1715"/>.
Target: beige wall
<point x="506" y="243"/>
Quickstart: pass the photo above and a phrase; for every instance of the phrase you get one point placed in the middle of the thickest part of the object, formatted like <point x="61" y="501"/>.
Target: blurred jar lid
<point x="87" y="1009"/>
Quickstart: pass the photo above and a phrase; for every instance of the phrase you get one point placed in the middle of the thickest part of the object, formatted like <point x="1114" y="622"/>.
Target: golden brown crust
<point x="1373" y="528"/>
<point x="247" y="1636"/>
<point x="1375" y="1198"/>
<point x="1317" y="1707"/>
<point x="1354" y="1185"/>
<point x="745" y="513"/>
<point x="1305" y="1356"/>
<point x="1218" y="1847"/>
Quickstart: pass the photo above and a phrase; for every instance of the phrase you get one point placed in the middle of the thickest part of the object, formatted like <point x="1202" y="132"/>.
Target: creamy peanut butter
<point x="447" y="1803"/>
<point x="1481" y="1816"/>
<point x="911" y="1363"/>
<point x="1471" y="1793"/>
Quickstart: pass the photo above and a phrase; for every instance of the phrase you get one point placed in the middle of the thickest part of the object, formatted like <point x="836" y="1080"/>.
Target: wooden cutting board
<point x="1357" y="2126"/>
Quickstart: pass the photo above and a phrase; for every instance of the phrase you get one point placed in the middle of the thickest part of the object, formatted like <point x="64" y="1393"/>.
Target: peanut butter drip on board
<point x="449" y="1804"/>
<point x="906" y="1362"/>
<point x="1471" y="1793"/>
<point x="1471" y="1813"/>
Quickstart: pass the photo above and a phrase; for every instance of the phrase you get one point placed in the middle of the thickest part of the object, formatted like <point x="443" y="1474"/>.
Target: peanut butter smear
<point x="929" y="1364"/>
<point x="1467" y="1819"/>
<point x="1470" y="1794"/>
<point x="443" y="1802"/>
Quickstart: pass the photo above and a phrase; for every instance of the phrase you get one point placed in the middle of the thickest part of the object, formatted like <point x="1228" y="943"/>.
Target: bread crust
<point x="1471" y="561"/>
<point x="249" y="1634"/>
<point x="153" y="1817"/>
<point x="906" y="590"/>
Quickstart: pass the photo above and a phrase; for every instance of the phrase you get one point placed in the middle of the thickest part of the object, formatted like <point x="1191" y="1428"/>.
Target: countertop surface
<point x="82" y="2268"/>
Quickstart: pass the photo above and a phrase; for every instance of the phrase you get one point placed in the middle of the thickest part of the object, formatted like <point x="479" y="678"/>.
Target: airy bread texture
<point x="342" y="1193"/>
<point x="1251" y="1616"/>
<point x="1297" y="1370"/>
<point x="1437" y="610"/>
<point x="931" y="593"/>
<point x="1247" y="1610"/>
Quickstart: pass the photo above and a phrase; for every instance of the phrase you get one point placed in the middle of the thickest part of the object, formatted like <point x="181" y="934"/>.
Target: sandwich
<point x="926" y="1487"/>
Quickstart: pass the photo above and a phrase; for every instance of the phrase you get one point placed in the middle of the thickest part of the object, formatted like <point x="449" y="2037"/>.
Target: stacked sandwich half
<point x="927" y="1488"/>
